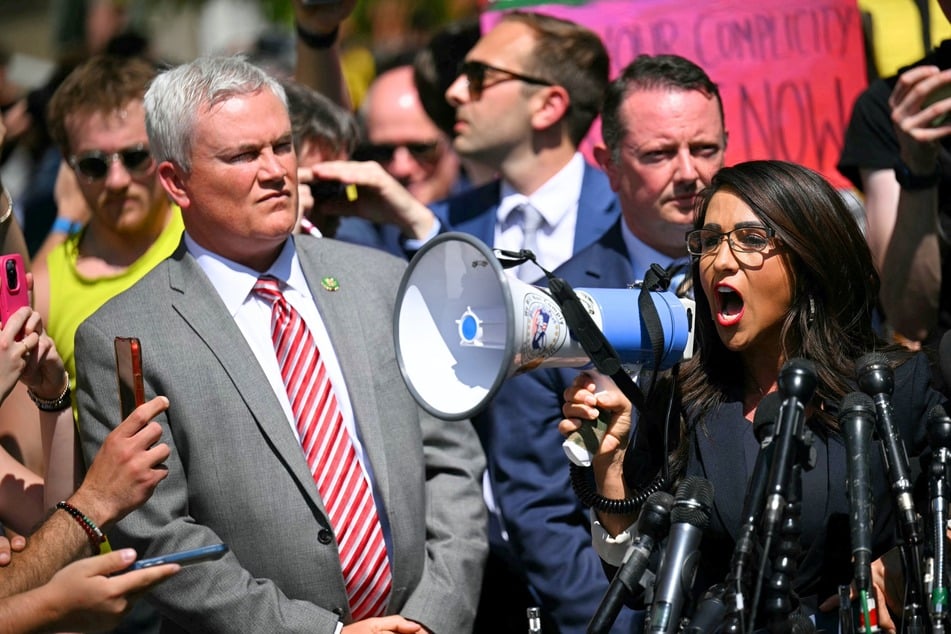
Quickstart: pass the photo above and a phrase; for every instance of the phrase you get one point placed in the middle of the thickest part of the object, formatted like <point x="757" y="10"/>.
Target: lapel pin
<point x="330" y="284"/>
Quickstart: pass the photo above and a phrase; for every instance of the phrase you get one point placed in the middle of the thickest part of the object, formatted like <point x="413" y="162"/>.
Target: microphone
<point x="876" y="378"/>
<point x="689" y="517"/>
<point x="797" y="383"/>
<point x="939" y="439"/>
<point x="652" y="524"/>
<point x="857" y="417"/>
<point x="709" y="613"/>
<point x="763" y="423"/>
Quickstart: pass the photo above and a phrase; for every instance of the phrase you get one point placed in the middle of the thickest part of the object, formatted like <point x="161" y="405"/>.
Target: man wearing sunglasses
<point x="97" y="119"/>
<point x="525" y="97"/>
<point x="400" y="136"/>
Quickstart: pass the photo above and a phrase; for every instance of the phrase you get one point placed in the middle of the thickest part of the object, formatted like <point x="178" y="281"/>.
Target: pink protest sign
<point x="788" y="72"/>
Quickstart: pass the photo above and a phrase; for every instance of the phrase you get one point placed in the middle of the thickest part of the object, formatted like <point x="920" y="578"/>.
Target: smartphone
<point x="326" y="191"/>
<point x="938" y="94"/>
<point x="129" y="374"/>
<point x="14" y="293"/>
<point x="185" y="557"/>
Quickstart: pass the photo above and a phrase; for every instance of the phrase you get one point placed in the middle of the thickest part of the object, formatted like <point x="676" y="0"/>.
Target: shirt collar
<point x="642" y="256"/>
<point x="234" y="281"/>
<point x="553" y="200"/>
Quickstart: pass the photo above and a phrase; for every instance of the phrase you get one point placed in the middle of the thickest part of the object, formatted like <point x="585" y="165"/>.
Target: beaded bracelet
<point x="96" y="538"/>
<point x="58" y="404"/>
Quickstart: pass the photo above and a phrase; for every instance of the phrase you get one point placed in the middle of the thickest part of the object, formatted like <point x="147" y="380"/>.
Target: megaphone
<point x="462" y="326"/>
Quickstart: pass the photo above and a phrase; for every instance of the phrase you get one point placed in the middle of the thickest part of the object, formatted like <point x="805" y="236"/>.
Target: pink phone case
<point x="13" y="291"/>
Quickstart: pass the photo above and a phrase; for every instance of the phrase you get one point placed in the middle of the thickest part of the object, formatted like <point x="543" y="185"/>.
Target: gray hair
<point x="175" y="96"/>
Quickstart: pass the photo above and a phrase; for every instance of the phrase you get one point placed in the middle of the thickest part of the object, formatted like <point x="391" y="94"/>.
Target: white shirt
<point x="557" y="202"/>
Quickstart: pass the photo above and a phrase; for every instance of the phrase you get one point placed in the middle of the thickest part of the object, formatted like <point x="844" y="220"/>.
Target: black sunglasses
<point x="94" y="165"/>
<point x="422" y="152"/>
<point x="475" y="76"/>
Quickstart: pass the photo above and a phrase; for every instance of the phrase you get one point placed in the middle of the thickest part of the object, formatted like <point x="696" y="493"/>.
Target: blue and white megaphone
<point x="463" y="325"/>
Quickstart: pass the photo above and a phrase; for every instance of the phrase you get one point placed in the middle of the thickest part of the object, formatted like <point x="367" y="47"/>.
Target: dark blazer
<point x="548" y="529"/>
<point x="723" y="450"/>
<point x="237" y="473"/>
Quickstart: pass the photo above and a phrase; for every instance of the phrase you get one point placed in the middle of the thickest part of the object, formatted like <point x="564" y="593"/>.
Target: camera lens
<point x="327" y="190"/>
<point x="11" y="275"/>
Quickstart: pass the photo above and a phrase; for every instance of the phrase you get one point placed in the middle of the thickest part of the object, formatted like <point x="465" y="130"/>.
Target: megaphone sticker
<point x="545" y="331"/>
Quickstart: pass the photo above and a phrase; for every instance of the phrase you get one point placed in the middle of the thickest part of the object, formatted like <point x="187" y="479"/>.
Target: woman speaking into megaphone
<point x="783" y="271"/>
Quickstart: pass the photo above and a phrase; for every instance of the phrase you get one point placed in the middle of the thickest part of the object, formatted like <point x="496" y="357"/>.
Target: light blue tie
<point x="531" y="221"/>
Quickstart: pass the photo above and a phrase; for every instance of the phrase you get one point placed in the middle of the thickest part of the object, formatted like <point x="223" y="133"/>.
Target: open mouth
<point x="729" y="305"/>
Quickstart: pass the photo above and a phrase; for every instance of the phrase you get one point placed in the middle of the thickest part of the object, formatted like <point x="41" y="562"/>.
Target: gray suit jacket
<point x="238" y="475"/>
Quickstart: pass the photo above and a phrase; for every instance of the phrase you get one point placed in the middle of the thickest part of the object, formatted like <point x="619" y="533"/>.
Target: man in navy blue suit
<point x="664" y="136"/>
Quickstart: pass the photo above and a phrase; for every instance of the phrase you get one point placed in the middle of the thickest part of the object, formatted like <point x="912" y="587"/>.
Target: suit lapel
<point x="196" y="300"/>
<point x="722" y="455"/>
<point x="598" y="208"/>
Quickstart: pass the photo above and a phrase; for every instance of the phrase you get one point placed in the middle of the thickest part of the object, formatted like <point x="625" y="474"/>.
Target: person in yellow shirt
<point x="97" y="119"/>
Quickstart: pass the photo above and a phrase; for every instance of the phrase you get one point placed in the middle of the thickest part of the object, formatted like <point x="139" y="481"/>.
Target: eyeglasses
<point x="741" y="240"/>
<point x="475" y="77"/>
<point x="94" y="165"/>
<point x="422" y="152"/>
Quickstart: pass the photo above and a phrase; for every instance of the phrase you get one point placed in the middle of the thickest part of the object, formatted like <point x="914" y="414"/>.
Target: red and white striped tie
<point x="330" y="455"/>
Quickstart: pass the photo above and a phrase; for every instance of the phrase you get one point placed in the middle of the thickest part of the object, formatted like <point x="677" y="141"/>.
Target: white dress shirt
<point x="557" y="201"/>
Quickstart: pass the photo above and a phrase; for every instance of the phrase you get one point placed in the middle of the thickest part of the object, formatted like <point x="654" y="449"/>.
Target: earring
<point x="812" y="310"/>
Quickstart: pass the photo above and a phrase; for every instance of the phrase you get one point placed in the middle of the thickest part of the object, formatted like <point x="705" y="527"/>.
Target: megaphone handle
<point x="582" y="445"/>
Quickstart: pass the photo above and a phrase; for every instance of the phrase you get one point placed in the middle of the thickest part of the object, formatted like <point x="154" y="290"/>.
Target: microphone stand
<point x="781" y="604"/>
<point x="875" y="378"/>
<point x="939" y="438"/>
<point x="738" y="579"/>
<point x="797" y="383"/>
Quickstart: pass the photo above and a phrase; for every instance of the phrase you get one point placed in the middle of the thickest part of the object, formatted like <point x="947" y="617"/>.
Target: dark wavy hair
<point x="835" y="285"/>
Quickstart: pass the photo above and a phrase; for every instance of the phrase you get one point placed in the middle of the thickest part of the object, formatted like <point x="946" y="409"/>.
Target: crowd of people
<point x="251" y="229"/>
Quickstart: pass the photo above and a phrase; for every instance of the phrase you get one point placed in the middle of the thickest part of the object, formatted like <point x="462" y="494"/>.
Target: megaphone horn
<point x="462" y="326"/>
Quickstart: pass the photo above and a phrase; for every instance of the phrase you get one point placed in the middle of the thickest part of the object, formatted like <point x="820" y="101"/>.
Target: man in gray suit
<point x="221" y="137"/>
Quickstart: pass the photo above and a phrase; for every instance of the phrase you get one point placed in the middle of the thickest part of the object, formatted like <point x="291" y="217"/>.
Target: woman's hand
<point x="593" y="396"/>
<point x="15" y="350"/>
<point x="44" y="373"/>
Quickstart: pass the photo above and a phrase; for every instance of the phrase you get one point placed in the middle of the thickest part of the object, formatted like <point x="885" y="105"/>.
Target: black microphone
<point x="876" y="378"/>
<point x="857" y="418"/>
<point x="689" y="517"/>
<point x="764" y="422"/>
<point x="797" y="383"/>
<point x="939" y="439"/>
<point x="652" y="525"/>
<point x="710" y="611"/>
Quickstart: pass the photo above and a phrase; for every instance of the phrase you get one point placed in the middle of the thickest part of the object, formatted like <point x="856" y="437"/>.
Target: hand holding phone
<point x="14" y="293"/>
<point x="129" y="374"/>
<point x="184" y="558"/>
